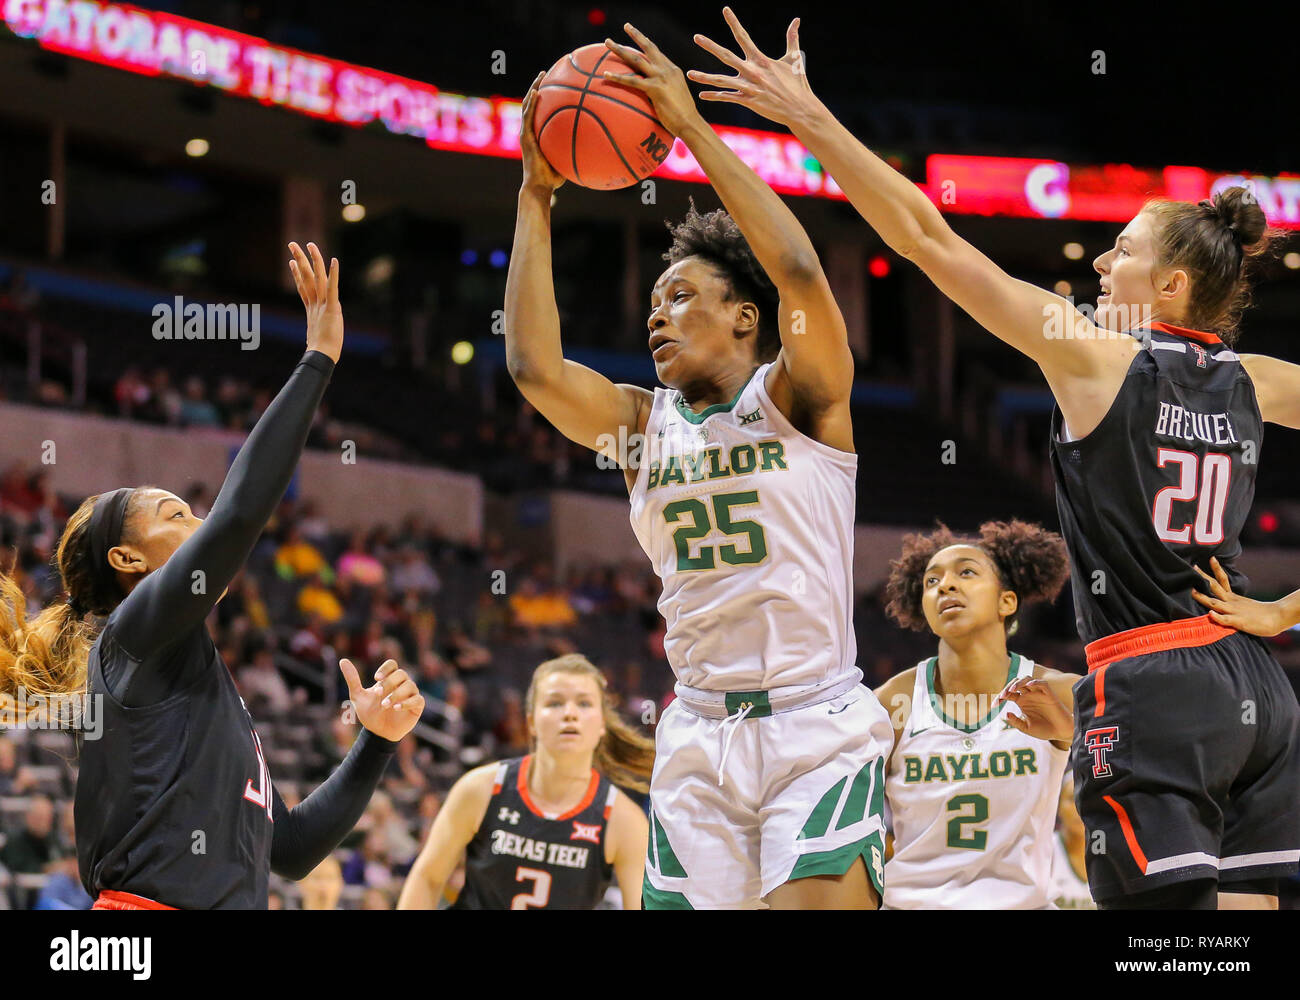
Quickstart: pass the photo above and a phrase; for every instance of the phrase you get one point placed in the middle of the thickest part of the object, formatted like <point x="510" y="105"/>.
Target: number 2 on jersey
<point x="700" y="525"/>
<point x="541" y="889"/>
<point x="1211" y="498"/>
<point x="975" y="840"/>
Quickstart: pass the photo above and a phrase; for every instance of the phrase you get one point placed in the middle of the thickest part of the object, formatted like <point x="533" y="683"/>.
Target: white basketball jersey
<point x="974" y="806"/>
<point x="749" y="525"/>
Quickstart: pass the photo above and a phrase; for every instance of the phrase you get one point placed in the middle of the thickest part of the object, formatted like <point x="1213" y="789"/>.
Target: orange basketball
<point x="596" y="133"/>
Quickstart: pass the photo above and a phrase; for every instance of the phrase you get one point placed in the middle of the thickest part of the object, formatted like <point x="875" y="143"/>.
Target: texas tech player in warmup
<point x="545" y="831"/>
<point x="972" y="793"/>
<point x="179" y="758"/>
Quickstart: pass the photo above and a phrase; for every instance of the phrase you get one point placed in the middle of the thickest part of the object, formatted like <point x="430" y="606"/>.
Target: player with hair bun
<point x="972" y="784"/>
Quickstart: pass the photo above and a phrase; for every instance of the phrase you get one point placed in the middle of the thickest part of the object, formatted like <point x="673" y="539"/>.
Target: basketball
<point x="594" y="132"/>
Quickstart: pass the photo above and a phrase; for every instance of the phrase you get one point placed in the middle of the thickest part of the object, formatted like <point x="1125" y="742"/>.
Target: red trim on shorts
<point x="111" y="899"/>
<point x="1129" y="835"/>
<point x="1099" y="689"/>
<point x="1153" y="639"/>
<point x="522" y="785"/>
<point x="1181" y="331"/>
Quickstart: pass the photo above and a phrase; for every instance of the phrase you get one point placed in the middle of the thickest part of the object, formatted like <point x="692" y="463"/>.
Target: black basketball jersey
<point x="1165" y="481"/>
<point x="174" y="800"/>
<point x="522" y="859"/>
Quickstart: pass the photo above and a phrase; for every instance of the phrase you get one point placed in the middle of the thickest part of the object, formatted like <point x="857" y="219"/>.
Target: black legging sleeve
<point x="304" y="835"/>
<point x="165" y="605"/>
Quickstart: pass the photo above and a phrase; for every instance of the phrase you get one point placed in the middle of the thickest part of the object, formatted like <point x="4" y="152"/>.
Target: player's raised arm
<point x="582" y="404"/>
<point x="1277" y="388"/>
<point x="453" y="828"/>
<point x="1040" y="324"/>
<point x="814" y="343"/>
<point x="178" y="595"/>
<point x="626" y="841"/>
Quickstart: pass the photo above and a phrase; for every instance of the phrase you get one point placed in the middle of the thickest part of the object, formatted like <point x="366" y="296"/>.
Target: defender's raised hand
<point x="777" y="89"/>
<point x="660" y="80"/>
<point x="319" y="292"/>
<point x="391" y="706"/>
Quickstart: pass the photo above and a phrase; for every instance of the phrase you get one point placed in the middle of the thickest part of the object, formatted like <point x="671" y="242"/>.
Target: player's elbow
<point x="800" y="267"/>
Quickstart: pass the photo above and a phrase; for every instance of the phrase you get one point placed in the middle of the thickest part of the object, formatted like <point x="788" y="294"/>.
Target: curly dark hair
<point x="715" y="237"/>
<point x="1030" y="560"/>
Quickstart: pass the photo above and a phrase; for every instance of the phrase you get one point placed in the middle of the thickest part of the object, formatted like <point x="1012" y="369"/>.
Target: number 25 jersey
<point x="1165" y="481"/>
<point x="749" y="525"/>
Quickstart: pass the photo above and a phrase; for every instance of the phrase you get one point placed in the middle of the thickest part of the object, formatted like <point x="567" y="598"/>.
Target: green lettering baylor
<point x="743" y="460"/>
<point x="673" y="474"/>
<point x="934" y="770"/>
<point x="1026" y="762"/>
<point x="912" y="772"/>
<point x="958" y="765"/>
<point x="1000" y="763"/>
<point x="773" y="455"/>
<point x="977" y="768"/>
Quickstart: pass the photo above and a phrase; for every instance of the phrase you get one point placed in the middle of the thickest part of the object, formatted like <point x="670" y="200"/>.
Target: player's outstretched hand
<point x="659" y="78"/>
<point x="538" y="171"/>
<point x="1236" y="610"/>
<point x="319" y="291"/>
<point x="391" y="706"/>
<point x="777" y="89"/>
<point x="1045" y="717"/>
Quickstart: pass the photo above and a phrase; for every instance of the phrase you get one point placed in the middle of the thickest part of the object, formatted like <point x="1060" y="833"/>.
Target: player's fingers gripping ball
<point x="596" y="133"/>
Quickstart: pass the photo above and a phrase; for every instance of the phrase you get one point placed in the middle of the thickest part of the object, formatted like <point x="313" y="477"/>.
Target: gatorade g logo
<point x="1100" y="742"/>
<point x="655" y="147"/>
<point x="1200" y="354"/>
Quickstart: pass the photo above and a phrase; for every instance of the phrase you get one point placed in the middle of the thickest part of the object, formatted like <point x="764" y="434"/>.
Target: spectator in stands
<point x="131" y="393"/>
<point x="358" y="566"/>
<point x="466" y="655"/>
<point x="164" y="406"/>
<point x="18" y="497"/>
<point x="14" y="779"/>
<point x="32" y="848"/>
<point x="399" y="846"/>
<point x="298" y="558"/>
<point x="427" y="812"/>
<point x="511" y="730"/>
<point x="369" y="864"/>
<point x="63" y="889"/>
<point x="195" y="409"/>
<point x="412" y="573"/>
<point x="313" y="526"/>
<point x="406" y="779"/>
<point x="432" y="679"/>
<point x="321" y="889"/>
<point x="309" y="641"/>
<point x="317" y="599"/>
<point x="265" y="689"/>
<point x="491" y="617"/>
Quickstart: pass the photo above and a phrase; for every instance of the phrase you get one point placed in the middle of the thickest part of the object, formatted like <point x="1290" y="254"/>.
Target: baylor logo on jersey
<point x="715" y="463"/>
<point x="968" y="766"/>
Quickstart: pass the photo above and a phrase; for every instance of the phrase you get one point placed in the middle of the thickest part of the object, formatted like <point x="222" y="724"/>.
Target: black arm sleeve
<point x="164" y="605"/>
<point x="305" y="835"/>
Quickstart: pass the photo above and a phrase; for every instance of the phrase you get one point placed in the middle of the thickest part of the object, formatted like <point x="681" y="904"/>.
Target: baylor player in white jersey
<point x="768" y="784"/>
<point x="972" y="783"/>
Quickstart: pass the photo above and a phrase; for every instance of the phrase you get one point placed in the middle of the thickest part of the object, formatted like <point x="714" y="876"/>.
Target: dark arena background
<point x="151" y="155"/>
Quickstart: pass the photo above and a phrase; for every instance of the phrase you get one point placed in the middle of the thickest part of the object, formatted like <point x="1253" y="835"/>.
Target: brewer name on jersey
<point x="716" y="463"/>
<point x="1177" y="421"/>
<point x="968" y="766"/>
<point x="517" y="846"/>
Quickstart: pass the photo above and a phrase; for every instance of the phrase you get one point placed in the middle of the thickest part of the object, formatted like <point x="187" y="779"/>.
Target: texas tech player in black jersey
<point x="545" y="831"/>
<point x="175" y="806"/>
<point x="1162" y="484"/>
<point x="1165" y="481"/>
<point x="522" y="859"/>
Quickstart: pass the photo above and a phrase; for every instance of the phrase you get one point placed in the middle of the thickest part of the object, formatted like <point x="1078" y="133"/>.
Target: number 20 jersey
<point x="749" y="525"/>
<point x="1165" y="481"/>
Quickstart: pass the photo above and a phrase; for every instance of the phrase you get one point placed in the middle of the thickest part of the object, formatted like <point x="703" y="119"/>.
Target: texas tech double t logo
<point x="1100" y="742"/>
